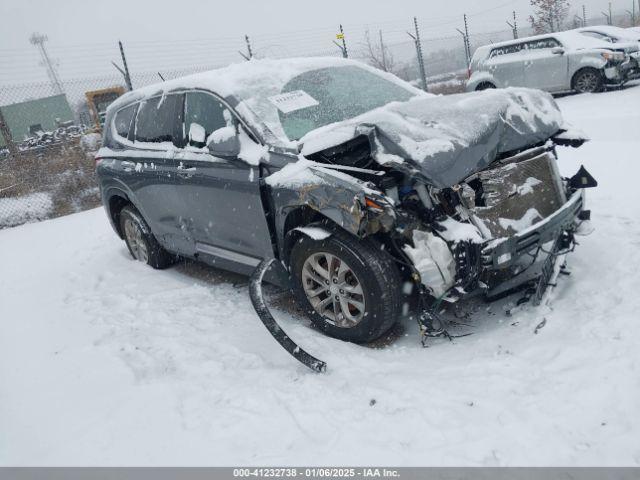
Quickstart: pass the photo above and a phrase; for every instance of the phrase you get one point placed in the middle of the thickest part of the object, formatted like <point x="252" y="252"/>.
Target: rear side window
<point x="160" y="120"/>
<point x="506" y="50"/>
<point x="543" y="43"/>
<point x="123" y="119"/>
<point x="204" y="110"/>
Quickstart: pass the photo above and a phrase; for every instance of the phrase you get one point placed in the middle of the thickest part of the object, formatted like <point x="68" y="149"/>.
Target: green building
<point x="25" y="118"/>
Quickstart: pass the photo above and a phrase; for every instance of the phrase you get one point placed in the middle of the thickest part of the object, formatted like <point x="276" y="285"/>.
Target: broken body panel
<point x="483" y="213"/>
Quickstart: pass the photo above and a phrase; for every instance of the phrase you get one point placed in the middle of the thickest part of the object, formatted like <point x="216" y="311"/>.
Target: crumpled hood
<point x="447" y="138"/>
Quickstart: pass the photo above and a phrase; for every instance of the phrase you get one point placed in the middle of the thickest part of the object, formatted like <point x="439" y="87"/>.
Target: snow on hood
<point x="447" y="138"/>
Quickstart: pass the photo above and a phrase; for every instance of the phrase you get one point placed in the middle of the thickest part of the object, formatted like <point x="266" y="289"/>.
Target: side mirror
<point x="557" y="51"/>
<point x="224" y="142"/>
<point x="197" y="135"/>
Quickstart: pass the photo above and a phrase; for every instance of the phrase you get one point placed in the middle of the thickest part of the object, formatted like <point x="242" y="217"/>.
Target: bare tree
<point x="549" y="15"/>
<point x="378" y="54"/>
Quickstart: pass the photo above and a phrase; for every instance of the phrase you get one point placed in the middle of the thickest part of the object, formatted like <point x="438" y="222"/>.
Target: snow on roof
<point x="616" y="32"/>
<point x="572" y="39"/>
<point x="241" y="84"/>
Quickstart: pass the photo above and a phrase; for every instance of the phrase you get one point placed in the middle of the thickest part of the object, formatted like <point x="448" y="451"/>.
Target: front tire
<point x="349" y="288"/>
<point x="141" y="243"/>
<point x="588" y="80"/>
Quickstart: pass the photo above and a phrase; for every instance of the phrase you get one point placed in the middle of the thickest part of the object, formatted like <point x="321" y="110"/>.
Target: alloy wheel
<point x="587" y="82"/>
<point x="333" y="290"/>
<point x="135" y="240"/>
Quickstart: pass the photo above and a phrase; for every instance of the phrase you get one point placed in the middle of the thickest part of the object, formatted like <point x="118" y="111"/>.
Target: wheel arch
<point x="582" y="68"/>
<point x="116" y="200"/>
<point x="303" y="216"/>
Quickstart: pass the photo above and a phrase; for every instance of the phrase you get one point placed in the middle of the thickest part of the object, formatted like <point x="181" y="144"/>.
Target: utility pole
<point x="343" y="47"/>
<point x="514" y="26"/>
<point x="419" y="56"/>
<point x="6" y="133"/>
<point x="38" y="40"/>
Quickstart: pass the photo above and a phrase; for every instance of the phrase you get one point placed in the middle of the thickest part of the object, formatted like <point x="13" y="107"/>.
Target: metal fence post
<point x="467" y="39"/>
<point x="343" y="47"/>
<point x="127" y="77"/>
<point x="418" y="44"/>
<point x="514" y="26"/>
<point x="6" y="134"/>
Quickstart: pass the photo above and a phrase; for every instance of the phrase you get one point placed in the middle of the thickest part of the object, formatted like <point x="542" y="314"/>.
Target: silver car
<point x="557" y="62"/>
<point x="627" y="38"/>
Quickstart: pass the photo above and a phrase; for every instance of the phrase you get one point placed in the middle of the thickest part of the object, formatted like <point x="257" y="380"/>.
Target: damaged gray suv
<point x="365" y="190"/>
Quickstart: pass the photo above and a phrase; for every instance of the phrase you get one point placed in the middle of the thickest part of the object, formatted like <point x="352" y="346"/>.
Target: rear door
<point x="506" y="65"/>
<point x="221" y="195"/>
<point x="544" y="69"/>
<point x="157" y="136"/>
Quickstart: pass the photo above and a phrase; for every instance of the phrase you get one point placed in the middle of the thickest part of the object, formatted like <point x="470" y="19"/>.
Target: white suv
<point x="557" y="62"/>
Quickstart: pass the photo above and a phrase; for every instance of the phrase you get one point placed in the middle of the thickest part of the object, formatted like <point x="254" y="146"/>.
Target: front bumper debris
<point x="504" y="252"/>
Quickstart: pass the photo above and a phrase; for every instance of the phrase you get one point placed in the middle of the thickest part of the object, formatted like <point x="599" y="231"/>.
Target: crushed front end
<point x="505" y="227"/>
<point x="463" y="191"/>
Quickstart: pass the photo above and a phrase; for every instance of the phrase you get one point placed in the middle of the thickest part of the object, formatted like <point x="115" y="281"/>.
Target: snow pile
<point x="28" y="208"/>
<point x="295" y="175"/>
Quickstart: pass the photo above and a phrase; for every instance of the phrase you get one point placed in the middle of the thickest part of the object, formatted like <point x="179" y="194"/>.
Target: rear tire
<point x="141" y="243"/>
<point x="349" y="288"/>
<point x="588" y="80"/>
<point x="485" y="86"/>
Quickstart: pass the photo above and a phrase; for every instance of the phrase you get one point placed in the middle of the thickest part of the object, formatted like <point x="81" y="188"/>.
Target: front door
<point x="222" y="195"/>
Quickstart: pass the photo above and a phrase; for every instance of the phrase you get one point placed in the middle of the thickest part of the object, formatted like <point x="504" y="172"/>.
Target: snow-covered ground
<point x="104" y="361"/>
<point x="27" y="208"/>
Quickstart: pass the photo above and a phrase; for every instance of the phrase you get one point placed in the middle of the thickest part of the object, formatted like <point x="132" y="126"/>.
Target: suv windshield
<point x="334" y="94"/>
<point x="327" y="95"/>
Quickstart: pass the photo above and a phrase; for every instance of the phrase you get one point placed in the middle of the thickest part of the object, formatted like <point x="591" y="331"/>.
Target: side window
<point x="543" y="43"/>
<point x="122" y="121"/>
<point x="506" y="50"/>
<point x="599" y="36"/>
<point x="160" y="120"/>
<point x="204" y="110"/>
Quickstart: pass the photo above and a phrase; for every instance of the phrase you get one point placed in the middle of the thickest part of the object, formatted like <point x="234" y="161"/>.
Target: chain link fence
<point x="47" y="169"/>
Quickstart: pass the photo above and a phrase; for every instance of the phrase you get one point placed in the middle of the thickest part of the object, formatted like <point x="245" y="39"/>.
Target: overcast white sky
<point x="158" y="33"/>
